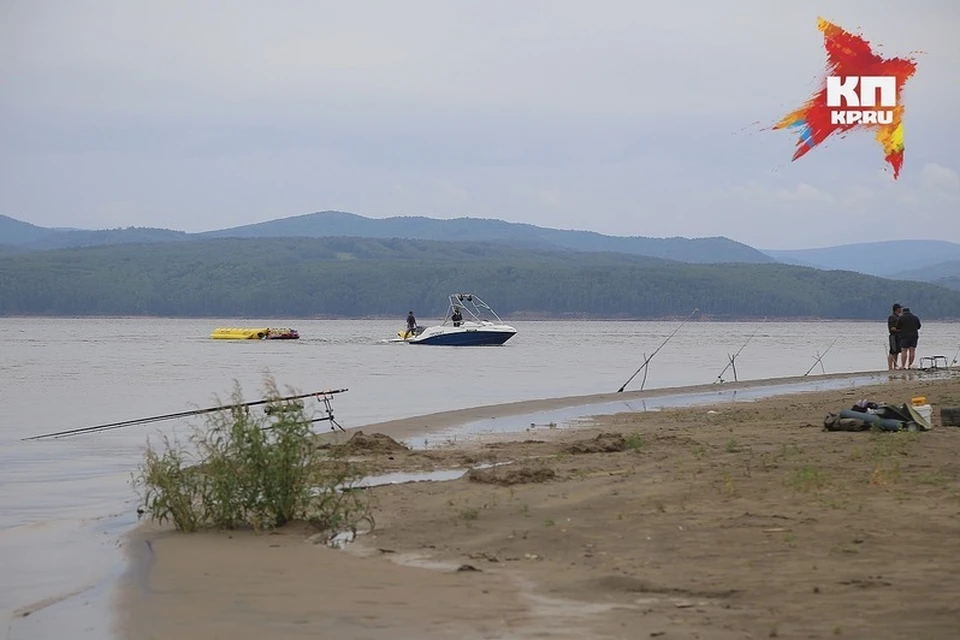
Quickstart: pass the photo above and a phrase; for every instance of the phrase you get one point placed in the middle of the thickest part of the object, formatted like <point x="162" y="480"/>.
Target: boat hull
<point x="468" y="338"/>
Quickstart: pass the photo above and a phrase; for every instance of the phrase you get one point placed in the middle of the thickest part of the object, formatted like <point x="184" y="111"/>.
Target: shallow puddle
<point x="565" y="417"/>
<point x="403" y="477"/>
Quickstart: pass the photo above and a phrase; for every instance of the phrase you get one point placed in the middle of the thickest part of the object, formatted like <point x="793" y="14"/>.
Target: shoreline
<point x="422" y="424"/>
<point x="425" y="423"/>
<point x="519" y="317"/>
<point x="141" y="543"/>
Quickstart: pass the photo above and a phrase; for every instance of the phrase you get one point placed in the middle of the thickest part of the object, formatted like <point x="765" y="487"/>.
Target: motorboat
<point x="469" y="322"/>
<point x="257" y="333"/>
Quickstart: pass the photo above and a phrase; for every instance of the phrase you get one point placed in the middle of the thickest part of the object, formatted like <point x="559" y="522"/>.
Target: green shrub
<point x="252" y="467"/>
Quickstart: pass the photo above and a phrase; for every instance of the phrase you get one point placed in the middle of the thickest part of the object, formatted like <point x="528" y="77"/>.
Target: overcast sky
<point x="618" y="116"/>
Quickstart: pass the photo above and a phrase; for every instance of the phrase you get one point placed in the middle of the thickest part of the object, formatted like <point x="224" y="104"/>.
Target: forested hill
<point x="355" y="277"/>
<point x="338" y="223"/>
<point x="9" y="249"/>
<point x="945" y="273"/>
<point x="889" y="259"/>
<point x="28" y="237"/>
<point x="19" y="233"/>
<point x="333" y="223"/>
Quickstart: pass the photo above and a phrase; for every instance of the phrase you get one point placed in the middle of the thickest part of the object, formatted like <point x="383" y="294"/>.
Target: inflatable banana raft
<point x="261" y="333"/>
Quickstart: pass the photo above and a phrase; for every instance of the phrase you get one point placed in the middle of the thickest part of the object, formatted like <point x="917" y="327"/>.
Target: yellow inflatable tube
<point x="238" y="333"/>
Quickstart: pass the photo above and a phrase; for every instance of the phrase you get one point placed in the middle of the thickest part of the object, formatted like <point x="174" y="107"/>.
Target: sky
<point x="622" y="117"/>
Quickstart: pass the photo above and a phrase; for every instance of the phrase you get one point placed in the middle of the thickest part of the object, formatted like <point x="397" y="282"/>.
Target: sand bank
<point x="425" y="424"/>
<point x="733" y="521"/>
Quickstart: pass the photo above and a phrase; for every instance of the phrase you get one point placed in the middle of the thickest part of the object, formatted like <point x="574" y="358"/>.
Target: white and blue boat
<point x="470" y="322"/>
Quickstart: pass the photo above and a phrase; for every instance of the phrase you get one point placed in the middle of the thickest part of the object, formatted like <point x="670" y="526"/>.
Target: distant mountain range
<point x="946" y="274"/>
<point x="338" y="224"/>
<point x="26" y="236"/>
<point x="935" y="261"/>
<point x="917" y="260"/>
<point x="351" y="277"/>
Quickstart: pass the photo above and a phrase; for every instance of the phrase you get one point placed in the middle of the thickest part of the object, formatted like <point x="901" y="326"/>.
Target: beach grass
<point x="247" y="469"/>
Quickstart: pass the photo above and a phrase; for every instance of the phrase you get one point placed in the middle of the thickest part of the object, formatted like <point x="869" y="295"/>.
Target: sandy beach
<point x="742" y="520"/>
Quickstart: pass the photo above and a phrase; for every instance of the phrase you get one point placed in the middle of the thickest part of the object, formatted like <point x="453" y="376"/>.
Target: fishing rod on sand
<point x="733" y="358"/>
<point x="323" y="396"/>
<point x="819" y="359"/>
<point x="646" y="361"/>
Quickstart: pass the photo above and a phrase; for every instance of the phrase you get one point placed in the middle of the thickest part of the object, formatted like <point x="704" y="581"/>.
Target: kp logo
<point x="846" y="88"/>
<point x="860" y="89"/>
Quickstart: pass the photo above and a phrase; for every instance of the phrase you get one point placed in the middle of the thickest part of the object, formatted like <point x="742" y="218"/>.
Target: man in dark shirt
<point x="893" y="329"/>
<point x="411" y="325"/>
<point x="909" y="334"/>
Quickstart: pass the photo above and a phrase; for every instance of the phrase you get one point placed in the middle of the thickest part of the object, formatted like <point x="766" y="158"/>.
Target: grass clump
<point x="252" y="468"/>
<point x="898" y="443"/>
<point x="808" y="479"/>
<point x="635" y="441"/>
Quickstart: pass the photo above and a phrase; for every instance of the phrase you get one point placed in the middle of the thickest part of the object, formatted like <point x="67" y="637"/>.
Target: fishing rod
<point x="955" y="356"/>
<point x="320" y="395"/>
<point x="646" y="370"/>
<point x="819" y="359"/>
<point x="647" y="360"/>
<point x="734" y="356"/>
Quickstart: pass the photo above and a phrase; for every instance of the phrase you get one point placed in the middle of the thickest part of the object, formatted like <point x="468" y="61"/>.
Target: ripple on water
<point x="62" y="373"/>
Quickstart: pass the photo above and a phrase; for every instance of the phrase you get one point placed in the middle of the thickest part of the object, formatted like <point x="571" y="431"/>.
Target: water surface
<point x="64" y="502"/>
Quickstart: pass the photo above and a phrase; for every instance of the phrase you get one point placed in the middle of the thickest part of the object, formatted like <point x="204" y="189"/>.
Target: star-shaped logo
<point x="851" y="63"/>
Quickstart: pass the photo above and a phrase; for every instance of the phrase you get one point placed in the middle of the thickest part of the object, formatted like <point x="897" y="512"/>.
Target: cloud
<point x="935" y="176"/>
<point x="873" y="189"/>
<point x="834" y="210"/>
<point x="450" y="192"/>
<point x="622" y="119"/>
<point x="554" y="199"/>
<point x="757" y="193"/>
<point x="805" y="193"/>
<point x="434" y="197"/>
<point x="188" y="57"/>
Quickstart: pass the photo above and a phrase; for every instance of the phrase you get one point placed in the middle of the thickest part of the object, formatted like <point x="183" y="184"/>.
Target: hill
<point x="946" y="269"/>
<point x="9" y="249"/>
<point x="950" y="282"/>
<point x="18" y="233"/>
<point x="93" y="238"/>
<point x="336" y="223"/>
<point x="888" y="259"/>
<point x="946" y="274"/>
<point x="356" y="277"/>
<point x="29" y="237"/>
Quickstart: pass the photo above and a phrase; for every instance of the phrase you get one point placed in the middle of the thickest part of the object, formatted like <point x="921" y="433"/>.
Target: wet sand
<point x="727" y="521"/>
<point x="429" y="423"/>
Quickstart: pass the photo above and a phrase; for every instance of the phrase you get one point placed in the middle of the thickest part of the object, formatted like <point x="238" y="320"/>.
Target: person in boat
<point x="456" y="317"/>
<point x="893" y="328"/>
<point x="411" y="323"/>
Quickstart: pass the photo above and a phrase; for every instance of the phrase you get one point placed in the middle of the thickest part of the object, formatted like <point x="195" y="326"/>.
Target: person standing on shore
<point x="909" y="335"/>
<point x="893" y="328"/>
